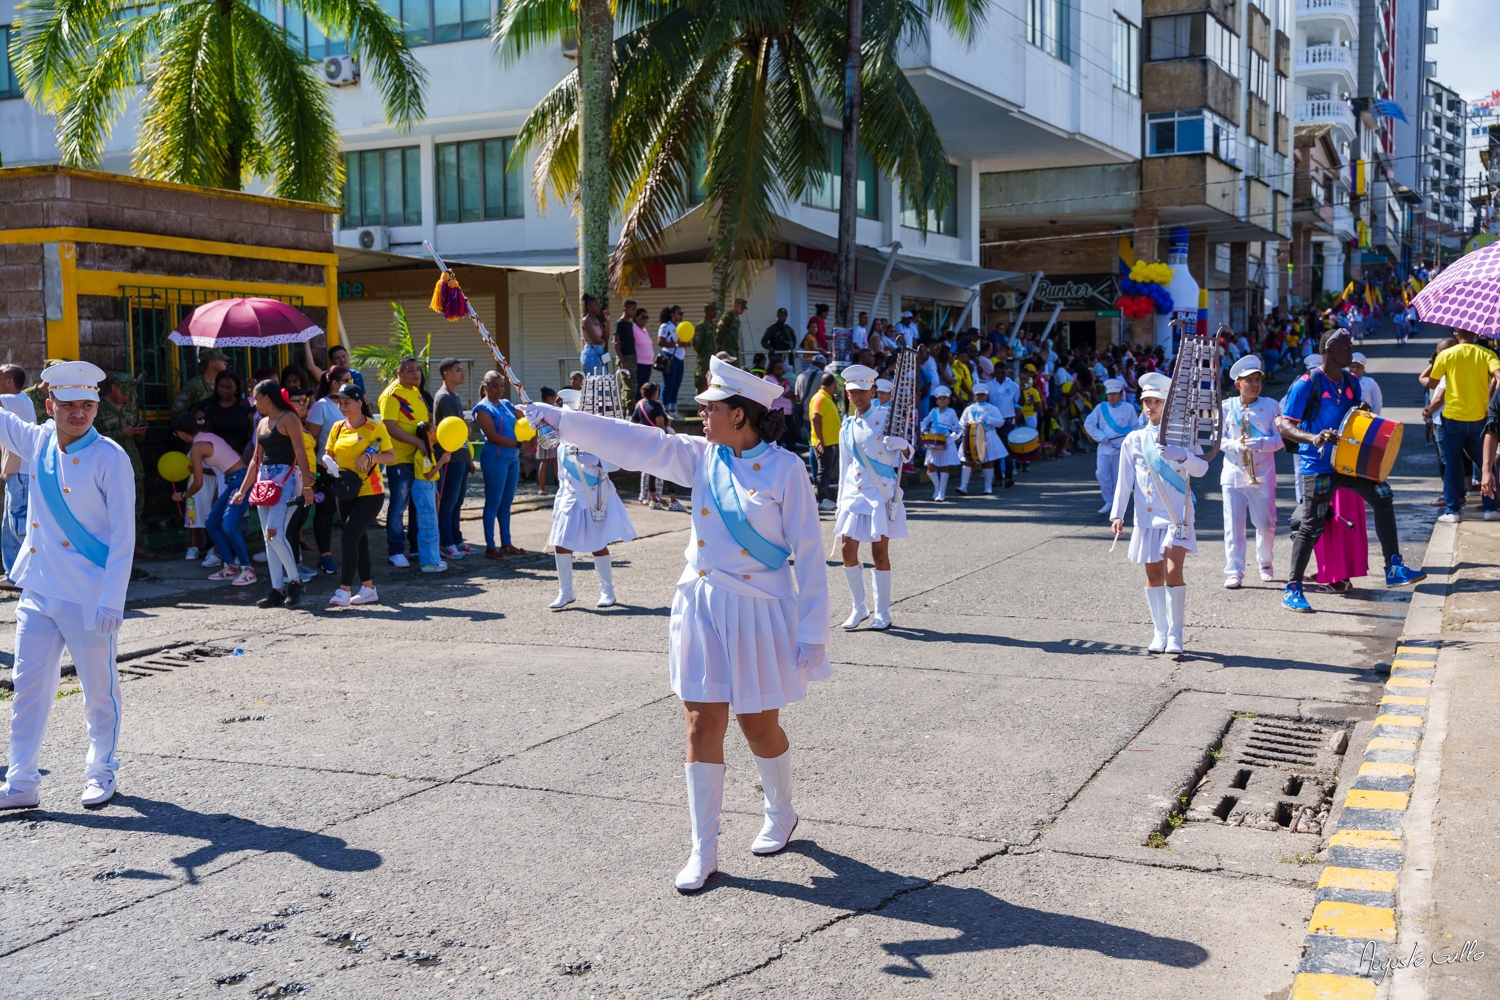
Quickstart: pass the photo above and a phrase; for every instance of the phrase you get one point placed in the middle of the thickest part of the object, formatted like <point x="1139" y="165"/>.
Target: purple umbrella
<point x="1466" y="294"/>
<point x="244" y="323"/>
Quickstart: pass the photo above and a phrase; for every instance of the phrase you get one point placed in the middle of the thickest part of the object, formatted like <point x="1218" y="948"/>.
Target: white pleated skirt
<point x="573" y="526"/>
<point x="1149" y="545"/>
<point x="946" y="455"/>
<point x="866" y="525"/>
<point x="729" y="647"/>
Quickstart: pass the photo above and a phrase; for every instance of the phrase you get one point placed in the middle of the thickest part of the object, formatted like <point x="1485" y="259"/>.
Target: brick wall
<point x="174" y="263"/>
<point x="23" y="328"/>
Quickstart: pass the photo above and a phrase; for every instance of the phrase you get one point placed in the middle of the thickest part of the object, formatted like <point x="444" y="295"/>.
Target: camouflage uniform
<point x="111" y="422"/>
<point x="705" y="344"/>
<point x="197" y="389"/>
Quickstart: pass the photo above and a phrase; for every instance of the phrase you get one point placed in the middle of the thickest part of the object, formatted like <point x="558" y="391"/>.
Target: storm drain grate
<point x="164" y="659"/>
<point x="1272" y="774"/>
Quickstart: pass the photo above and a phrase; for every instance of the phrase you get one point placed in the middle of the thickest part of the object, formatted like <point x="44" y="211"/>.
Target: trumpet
<point x="1247" y="457"/>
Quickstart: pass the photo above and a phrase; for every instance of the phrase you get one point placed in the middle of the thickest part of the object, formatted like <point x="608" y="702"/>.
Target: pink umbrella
<point x="1466" y="294"/>
<point x="244" y="323"/>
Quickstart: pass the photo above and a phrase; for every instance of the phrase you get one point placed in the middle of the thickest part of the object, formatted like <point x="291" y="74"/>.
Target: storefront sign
<point x="822" y="266"/>
<point x="351" y="289"/>
<point x="1077" y="292"/>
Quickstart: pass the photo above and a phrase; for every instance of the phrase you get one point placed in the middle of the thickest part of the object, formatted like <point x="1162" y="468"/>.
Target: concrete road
<point x="459" y="793"/>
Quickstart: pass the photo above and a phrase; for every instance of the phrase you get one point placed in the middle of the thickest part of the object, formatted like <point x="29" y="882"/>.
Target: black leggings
<point x="323" y="513"/>
<point x="294" y="527"/>
<point x="1317" y="506"/>
<point x="358" y="514"/>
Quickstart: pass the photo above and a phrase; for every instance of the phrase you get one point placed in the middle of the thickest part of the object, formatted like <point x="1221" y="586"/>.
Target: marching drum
<point x="1367" y="445"/>
<point x="934" y="440"/>
<point x="974" y="445"/>
<point x="1023" y="442"/>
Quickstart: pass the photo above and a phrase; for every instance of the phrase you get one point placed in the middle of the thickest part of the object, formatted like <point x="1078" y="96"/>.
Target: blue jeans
<point x="672" y="385"/>
<point x="500" y="475"/>
<point x="224" y="523"/>
<point x="455" y="483"/>
<point x="1457" y="434"/>
<point x="14" y="528"/>
<point x="593" y="360"/>
<point x="398" y="480"/>
<point x="424" y="492"/>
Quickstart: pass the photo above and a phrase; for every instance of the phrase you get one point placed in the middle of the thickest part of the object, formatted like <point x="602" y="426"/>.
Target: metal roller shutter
<point x="371" y="321"/>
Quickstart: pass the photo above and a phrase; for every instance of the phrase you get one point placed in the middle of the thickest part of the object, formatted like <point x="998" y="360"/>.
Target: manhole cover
<point x="1272" y="774"/>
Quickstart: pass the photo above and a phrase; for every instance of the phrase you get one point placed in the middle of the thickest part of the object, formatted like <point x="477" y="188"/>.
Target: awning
<point x="352" y="260"/>
<point x="907" y="265"/>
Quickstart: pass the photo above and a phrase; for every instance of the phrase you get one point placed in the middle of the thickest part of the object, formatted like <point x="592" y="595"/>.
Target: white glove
<point x="1173" y="453"/>
<point x="897" y="444"/>
<point x="107" y="622"/>
<point x="809" y="655"/>
<point x="544" y="413"/>
<point x="331" y="464"/>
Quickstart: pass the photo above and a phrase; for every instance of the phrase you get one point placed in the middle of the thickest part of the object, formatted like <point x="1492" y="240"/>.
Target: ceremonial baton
<point x="489" y="341"/>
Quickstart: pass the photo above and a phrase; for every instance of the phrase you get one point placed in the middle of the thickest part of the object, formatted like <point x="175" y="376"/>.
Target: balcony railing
<point x="1325" y="112"/>
<point x="1325" y="59"/>
<point x="1327" y="8"/>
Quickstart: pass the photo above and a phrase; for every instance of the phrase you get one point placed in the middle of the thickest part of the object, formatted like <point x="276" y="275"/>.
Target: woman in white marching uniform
<point x="742" y="636"/>
<point x="1156" y="476"/>
<point x="870" y="508"/>
<point x="1107" y="424"/>
<point x="982" y="412"/>
<point x="587" y="515"/>
<point x="1249" y="440"/>
<point x="942" y="422"/>
<point x="73" y="570"/>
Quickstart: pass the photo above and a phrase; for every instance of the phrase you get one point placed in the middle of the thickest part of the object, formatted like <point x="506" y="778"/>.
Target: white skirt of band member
<point x="944" y="456"/>
<point x="574" y="527"/>
<point x="866" y="522"/>
<point x="1149" y="545"/>
<point x="729" y="647"/>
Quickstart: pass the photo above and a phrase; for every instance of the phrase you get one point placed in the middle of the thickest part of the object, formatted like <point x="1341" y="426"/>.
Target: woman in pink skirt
<point x="1343" y="550"/>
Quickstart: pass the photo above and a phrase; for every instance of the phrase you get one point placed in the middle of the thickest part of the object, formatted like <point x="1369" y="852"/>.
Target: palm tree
<point x="724" y="99"/>
<point x="387" y="360"/>
<point x="227" y="95"/>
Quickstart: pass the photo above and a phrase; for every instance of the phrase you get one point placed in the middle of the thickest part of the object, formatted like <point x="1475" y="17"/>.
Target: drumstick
<point x="1113" y="544"/>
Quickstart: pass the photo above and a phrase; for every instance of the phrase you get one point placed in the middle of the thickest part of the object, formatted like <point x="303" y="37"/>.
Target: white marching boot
<point x="1176" y="617"/>
<point x="705" y="785"/>
<point x="882" y="619"/>
<point x="989" y="480"/>
<point x="781" y="818"/>
<point x="963" y="479"/>
<point x="856" y="577"/>
<point x="606" y="570"/>
<point x="942" y="487"/>
<point x="1156" y="597"/>
<point x="564" y="581"/>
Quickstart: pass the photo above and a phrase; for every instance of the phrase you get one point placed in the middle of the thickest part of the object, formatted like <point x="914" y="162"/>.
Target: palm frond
<point x="188" y="112"/>
<point x="551" y="132"/>
<point x="378" y="41"/>
<point x="55" y="39"/>
<point x="526" y="24"/>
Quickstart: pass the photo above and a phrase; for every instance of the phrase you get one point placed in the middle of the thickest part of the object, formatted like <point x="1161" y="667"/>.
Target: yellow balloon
<point x="685" y="331"/>
<point x="174" y="466"/>
<point x="524" y="430"/>
<point x="452" y="432"/>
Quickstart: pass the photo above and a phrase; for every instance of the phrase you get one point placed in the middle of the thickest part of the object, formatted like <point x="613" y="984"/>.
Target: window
<point x="474" y="181"/>
<point x="1047" y="27"/>
<point x="1171" y="132"/>
<point x="826" y="194"/>
<point x="430" y="21"/>
<point x="1257" y="160"/>
<point x="1127" y="52"/>
<point x="1260" y="78"/>
<point x="1280" y="102"/>
<point x="1193" y="36"/>
<point x="383" y="187"/>
<point x="9" y="86"/>
<point x="945" y="224"/>
<point x="305" y="34"/>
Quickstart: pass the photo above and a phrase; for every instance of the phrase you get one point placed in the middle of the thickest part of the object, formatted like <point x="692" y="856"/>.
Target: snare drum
<point x="1023" y="442"/>
<point x="934" y="441"/>
<point x="1367" y="445"/>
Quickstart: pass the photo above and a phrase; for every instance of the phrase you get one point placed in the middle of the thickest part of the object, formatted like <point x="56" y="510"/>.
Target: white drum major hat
<point x="1244" y="366"/>
<point x="1154" y="385"/>
<point x="942" y="390"/>
<point x="570" y="398"/>
<point x="859" y="377"/>
<point x="884" y="385"/>
<point x="1114" y="385"/>
<point x="1314" y="361"/>
<point x="1357" y="359"/>
<point x="73" y="380"/>
<point x="725" y="380"/>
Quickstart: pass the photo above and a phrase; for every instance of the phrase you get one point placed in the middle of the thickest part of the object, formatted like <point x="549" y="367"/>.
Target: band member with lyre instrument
<point x="870" y="507"/>
<point x="1157" y="476"/>
<point x="1247" y="479"/>
<point x="749" y="626"/>
<point x="1315" y="409"/>
<point x="1107" y="424"/>
<point x="940" y="431"/>
<point x="980" y="442"/>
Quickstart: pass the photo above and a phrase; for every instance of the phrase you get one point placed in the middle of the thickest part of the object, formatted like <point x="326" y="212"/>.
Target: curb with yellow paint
<point x="1353" y="924"/>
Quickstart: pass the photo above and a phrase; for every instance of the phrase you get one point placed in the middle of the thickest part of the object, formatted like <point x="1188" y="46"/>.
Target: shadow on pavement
<point x="985" y="922"/>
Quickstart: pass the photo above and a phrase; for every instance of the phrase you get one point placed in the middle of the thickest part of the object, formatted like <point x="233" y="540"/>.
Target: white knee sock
<point x="963" y="478"/>
<point x="942" y="484"/>
<point x="564" y="574"/>
<point x="855" y="575"/>
<point x="989" y="479"/>
<point x="882" y="580"/>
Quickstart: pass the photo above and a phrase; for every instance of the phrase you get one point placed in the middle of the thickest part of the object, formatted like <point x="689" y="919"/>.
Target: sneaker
<point x="1398" y="574"/>
<point x="436" y="567"/>
<point x="259" y="557"/>
<point x="293" y="594"/>
<point x="227" y="573"/>
<point x="305" y="574"/>
<point x="451" y="552"/>
<point x="192" y="553"/>
<point x="366" y="595"/>
<point x="1492" y="515"/>
<point x="1267" y="575"/>
<point x="400" y="561"/>
<point x="326" y="565"/>
<point x="465" y="548"/>
<point x="1232" y="582"/>
<point x="658" y="505"/>
<point x="273" y="599"/>
<point x="1293" y="599"/>
<point x="677" y="508"/>
<point x="339" y="599"/>
<point x="14" y="798"/>
<point x="245" y="579"/>
<point x="98" y="791"/>
<point x="1450" y="517"/>
<point x="212" y="560"/>
<point x="827" y="505"/>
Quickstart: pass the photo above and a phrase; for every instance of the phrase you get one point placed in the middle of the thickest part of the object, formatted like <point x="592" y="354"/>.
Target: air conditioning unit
<point x="365" y="238"/>
<point x="341" y="71"/>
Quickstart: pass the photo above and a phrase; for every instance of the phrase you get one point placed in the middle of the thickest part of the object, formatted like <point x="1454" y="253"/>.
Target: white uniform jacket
<point x="985" y="413"/>
<point x="1264" y="442"/>
<point x="1005" y="396"/>
<point x="1369" y="392"/>
<point x="943" y="422"/>
<point x="1154" y="508"/>
<point x="1109" y="436"/>
<point x="96" y="486"/>
<point x="866" y="485"/>
<point x="773" y="493"/>
<point x="582" y="482"/>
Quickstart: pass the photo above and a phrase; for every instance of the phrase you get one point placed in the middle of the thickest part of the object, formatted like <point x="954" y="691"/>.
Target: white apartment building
<point x="1327" y="70"/>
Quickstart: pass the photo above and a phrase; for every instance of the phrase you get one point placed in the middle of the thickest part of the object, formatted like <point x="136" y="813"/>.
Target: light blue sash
<point x="727" y="500"/>
<point x="1168" y="475"/>
<point x="577" y="473"/>
<point x="78" y="536"/>
<point x="1237" y="414"/>
<point x="1109" y="419"/>
<point x="877" y="467"/>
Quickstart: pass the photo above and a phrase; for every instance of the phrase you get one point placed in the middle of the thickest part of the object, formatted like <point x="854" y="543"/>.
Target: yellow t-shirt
<point x="1468" y="368"/>
<point x="347" y="443"/>
<point x="310" y="446"/>
<point x="404" y="408"/>
<point x="823" y="408"/>
<point x="425" y="468"/>
<point x="1031" y="400"/>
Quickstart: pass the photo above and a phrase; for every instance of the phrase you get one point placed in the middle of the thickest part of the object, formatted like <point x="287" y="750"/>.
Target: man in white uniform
<point x="870" y="508"/>
<point x="1108" y="424"/>
<point x="1369" y="389"/>
<point x="1249" y="440"/>
<point x="73" y="569"/>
